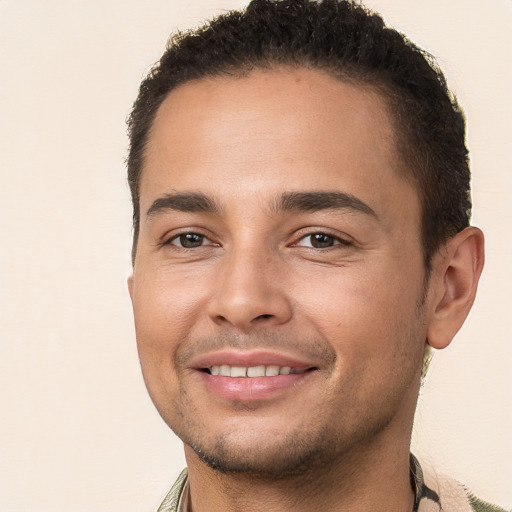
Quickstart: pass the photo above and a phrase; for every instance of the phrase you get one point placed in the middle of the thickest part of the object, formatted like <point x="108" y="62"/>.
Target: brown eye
<point x="189" y="240"/>
<point x="321" y="240"/>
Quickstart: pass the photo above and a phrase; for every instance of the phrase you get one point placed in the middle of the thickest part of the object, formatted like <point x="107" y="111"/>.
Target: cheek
<point x="165" y="306"/>
<point x="164" y="315"/>
<point x="159" y="325"/>
<point x="373" y="327"/>
<point x="361" y="312"/>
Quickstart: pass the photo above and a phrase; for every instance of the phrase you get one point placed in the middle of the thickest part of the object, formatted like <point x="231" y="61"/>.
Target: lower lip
<point x="251" y="388"/>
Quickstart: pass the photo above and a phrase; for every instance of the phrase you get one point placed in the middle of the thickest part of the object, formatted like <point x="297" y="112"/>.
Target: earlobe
<point x="457" y="272"/>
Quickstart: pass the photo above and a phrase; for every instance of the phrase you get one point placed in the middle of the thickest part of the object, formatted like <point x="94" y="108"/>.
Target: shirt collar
<point x="420" y="489"/>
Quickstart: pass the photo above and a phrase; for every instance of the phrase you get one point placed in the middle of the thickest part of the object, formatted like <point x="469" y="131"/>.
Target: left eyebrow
<point x="316" y="201"/>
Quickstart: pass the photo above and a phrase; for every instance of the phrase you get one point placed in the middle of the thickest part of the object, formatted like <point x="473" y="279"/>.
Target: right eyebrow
<point x="191" y="202"/>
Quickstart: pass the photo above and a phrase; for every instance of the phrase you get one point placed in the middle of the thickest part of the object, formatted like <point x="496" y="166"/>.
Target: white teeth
<point x="225" y="370"/>
<point x="271" y="371"/>
<point x="256" y="371"/>
<point x="238" y="371"/>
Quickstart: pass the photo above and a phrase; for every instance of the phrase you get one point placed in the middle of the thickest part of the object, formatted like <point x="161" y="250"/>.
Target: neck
<point x="367" y="478"/>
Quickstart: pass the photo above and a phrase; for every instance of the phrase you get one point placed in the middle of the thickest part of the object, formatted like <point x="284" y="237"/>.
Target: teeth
<point x="238" y="371"/>
<point x="271" y="371"/>
<point x="256" y="371"/>
<point x="225" y="370"/>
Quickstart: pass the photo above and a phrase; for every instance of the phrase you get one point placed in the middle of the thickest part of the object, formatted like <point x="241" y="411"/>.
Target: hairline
<point x="378" y="86"/>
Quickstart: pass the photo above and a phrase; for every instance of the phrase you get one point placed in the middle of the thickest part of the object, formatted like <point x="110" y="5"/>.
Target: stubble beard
<point x="266" y="454"/>
<point x="293" y="453"/>
<point x="291" y="457"/>
<point x="312" y="447"/>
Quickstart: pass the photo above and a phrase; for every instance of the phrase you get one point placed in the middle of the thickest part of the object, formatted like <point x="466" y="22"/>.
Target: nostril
<point x="263" y="317"/>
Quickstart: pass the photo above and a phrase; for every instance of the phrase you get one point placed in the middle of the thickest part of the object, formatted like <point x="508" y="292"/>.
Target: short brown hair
<point x="353" y="44"/>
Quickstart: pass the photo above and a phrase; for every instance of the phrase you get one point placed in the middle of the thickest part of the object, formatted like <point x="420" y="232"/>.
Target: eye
<point x="189" y="240"/>
<point x="320" y="241"/>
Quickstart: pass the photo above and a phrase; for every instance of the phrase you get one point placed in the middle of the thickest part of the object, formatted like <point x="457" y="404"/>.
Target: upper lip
<point x="249" y="359"/>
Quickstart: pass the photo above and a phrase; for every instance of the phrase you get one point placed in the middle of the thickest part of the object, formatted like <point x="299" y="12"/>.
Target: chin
<point x="282" y="460"/>
<point x="274" y="454"/>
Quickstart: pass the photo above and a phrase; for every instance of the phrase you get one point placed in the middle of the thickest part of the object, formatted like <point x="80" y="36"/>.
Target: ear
<point x="456" y="272"/>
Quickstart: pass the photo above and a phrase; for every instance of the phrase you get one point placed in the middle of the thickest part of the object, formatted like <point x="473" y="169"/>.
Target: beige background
<point x="78" y="432"/>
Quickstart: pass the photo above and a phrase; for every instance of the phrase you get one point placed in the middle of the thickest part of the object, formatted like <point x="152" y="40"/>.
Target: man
<point x="300" y="185"/>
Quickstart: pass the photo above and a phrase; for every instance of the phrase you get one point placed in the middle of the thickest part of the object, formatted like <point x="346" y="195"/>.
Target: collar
<point x="421" y="491"/>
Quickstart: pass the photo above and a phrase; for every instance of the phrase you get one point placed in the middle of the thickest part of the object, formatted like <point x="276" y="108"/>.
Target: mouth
<point x="251" y="376"/>
<point x="251" y="372"/>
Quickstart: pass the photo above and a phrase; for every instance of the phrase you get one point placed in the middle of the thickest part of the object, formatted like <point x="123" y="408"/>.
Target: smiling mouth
<point x="225" y="370"/>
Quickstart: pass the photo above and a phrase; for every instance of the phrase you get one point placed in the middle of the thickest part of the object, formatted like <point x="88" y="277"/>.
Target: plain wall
<point x="78" y="431"/>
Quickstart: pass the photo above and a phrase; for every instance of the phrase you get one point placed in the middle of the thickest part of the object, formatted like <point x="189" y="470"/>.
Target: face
<point x="278" y="281"/>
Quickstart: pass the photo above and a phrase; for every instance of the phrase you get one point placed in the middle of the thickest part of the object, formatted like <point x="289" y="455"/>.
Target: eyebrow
<point x="191" y="202"/>
<point x="195" y="202"/>
<point x="317" y="201"/>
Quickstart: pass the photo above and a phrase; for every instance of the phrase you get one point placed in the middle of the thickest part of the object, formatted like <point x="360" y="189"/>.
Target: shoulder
<point x="445" y="494"/>
<point x="483" y="506"/>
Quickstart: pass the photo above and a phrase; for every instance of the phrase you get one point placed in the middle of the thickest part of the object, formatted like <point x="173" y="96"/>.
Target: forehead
<point x="282" y="129"/>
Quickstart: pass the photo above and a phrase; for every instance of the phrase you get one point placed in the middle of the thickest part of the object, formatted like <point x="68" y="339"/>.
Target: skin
<point x="354" y="312"/>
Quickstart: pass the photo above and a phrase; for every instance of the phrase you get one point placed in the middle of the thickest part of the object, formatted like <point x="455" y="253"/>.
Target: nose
<point x="250" y="291"/>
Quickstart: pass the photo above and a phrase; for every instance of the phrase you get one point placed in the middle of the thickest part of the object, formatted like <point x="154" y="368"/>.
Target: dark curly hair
<point x="348" y="42"/>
